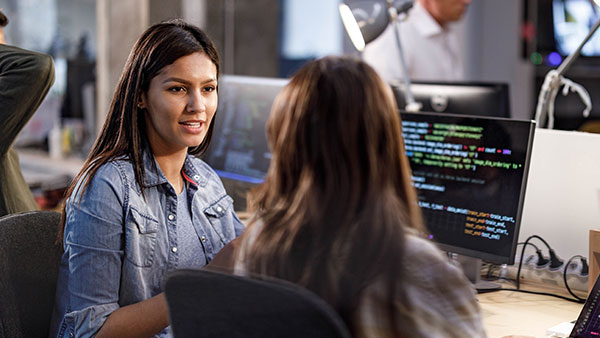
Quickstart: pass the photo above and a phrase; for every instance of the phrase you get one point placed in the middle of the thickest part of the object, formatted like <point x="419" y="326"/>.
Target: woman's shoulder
<point x="437" y="298"/>
<point x="114" y="170"/>
<point x="429" y="268"/>
<point x="421" y="248"/>
<point x="109" y="175"/>
<point x="432" y="272"/>
<point x="440" y="297"/>
<point x="101" y="194"/>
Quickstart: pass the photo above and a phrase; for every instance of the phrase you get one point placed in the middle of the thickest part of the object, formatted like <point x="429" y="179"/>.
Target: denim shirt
<point x="118" y="246"/>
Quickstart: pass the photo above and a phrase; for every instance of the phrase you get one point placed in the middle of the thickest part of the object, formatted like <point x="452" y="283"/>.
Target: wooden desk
<point x="514" y="313"/>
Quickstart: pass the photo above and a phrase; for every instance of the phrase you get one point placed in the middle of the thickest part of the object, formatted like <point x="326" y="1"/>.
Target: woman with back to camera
<point x="338" y="215"/>
<point x="143" y="204"/>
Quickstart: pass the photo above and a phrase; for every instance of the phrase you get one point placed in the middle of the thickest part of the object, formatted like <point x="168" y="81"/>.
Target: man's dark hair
<point x="3" y="19"/>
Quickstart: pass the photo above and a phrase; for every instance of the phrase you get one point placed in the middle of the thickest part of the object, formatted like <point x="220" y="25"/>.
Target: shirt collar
<point x="423" y="21"/>
<point x="154" y="176"/>
<point x="192" y="174"/>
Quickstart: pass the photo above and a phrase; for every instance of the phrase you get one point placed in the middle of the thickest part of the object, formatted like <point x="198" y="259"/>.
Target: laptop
<point x="588" y="323"/>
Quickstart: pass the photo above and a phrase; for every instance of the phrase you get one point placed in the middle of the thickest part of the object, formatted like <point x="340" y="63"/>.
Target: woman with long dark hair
<point x="338" y="215"/>
<point x="143" y="204"/>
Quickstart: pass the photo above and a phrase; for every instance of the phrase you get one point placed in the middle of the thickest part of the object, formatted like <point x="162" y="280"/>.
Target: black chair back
<point x="210" y="304"/>
<point x="29" y="259"/>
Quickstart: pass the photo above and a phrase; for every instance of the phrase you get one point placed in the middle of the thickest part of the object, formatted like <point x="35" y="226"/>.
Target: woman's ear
<point x="141" y="104"/>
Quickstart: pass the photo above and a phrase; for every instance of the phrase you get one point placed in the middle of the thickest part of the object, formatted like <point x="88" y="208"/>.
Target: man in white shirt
<point x="432" y="47"/>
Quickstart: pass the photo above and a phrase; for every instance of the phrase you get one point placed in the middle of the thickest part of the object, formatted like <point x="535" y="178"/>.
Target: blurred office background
<point x="507" y="41"/>
<point x="90" y="40"/>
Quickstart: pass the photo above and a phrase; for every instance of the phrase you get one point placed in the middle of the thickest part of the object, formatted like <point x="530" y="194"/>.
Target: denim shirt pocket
<point x="140" y="238"/>
<point x="220" y="216"/>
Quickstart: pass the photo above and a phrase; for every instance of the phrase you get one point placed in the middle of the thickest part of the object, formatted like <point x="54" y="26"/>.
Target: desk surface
<point x="42" y="172"/>
<point x="513" y="313"/>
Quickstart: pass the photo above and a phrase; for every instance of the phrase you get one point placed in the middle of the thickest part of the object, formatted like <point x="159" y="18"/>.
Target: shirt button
<point x="203" y="239"/>
<point x="171" y="217"/>
<point x="196" y="177"/>
<point x="219" y="209"/>
<point x="174" y="249"/>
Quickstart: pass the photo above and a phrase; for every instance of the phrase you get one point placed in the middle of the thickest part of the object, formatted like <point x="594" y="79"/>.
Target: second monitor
<point x="463" y="98"/>
<point x="239" y="152"/>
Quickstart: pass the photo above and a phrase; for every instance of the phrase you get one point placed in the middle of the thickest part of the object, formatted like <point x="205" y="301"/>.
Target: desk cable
<point x="554" y="262"/>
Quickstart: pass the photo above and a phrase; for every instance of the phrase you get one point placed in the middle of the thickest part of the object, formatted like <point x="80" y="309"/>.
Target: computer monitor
<point x="572" y="21"/>
<point x="470" y="174"/>
<point x="464" y="98"/>
<point x="239" y="152"/>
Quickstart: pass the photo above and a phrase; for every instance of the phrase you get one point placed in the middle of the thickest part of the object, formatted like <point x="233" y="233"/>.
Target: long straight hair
<point x="332" y="211"/>
<point x="124" y="132"/>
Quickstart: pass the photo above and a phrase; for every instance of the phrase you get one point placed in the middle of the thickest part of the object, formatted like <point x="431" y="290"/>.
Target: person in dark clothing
<point x="25" y="79"/>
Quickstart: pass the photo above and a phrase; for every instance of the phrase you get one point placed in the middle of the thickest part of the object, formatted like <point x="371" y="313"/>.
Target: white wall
<point x="303" y="20"/>
<point x="562" y="201"/>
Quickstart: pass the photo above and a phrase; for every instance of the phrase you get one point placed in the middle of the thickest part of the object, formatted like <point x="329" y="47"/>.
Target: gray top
<point x="191" y="252"/>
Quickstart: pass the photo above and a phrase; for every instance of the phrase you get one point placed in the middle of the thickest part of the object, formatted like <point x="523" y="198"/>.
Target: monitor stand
<point x="472" y="269"/>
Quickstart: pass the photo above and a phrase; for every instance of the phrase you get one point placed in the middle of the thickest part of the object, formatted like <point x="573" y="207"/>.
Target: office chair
<point x="210" y="304"/>
<point x="29" y="259"/>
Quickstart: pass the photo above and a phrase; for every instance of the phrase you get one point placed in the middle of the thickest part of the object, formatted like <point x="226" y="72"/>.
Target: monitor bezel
<point x="498" y="88"/>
